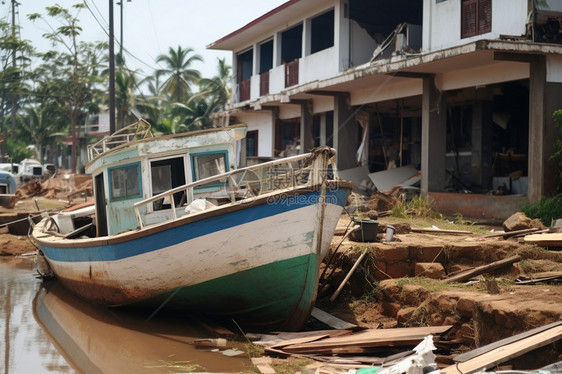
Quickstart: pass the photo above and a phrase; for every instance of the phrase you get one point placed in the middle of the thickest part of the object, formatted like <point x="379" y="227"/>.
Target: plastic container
<point x="390" y="230"/>
<point x="367" y="232"/>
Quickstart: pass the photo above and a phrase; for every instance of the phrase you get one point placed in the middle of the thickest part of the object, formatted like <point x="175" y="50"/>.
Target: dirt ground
<point x="491" y="307"/>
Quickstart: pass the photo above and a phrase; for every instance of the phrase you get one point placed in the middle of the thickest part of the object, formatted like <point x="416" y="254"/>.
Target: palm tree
<point x="218" y="87"/>
<point x="38" y="126"/>
<point x="179" y="75"/>
<point x="124" y="98"/>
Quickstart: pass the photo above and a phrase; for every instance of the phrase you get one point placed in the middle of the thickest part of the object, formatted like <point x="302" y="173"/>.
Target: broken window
<point x="125" y="182"/>
<point x="322" y="32"/>
<point x="476" y="17"/>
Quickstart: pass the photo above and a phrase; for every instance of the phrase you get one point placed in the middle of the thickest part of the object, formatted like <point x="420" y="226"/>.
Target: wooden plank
<point x="441" y="231"/>
<point x="506" y="352"/>
<point x="460" y="277"/>
<point x="285" y="338"/>
<point x="545" y="240"/>
<point x="263" y="365"/>
<point x="479" y="351"/>
<point x="369" y="338"/>
<point x="507" y="234"/>
<point x="331" y="320"/>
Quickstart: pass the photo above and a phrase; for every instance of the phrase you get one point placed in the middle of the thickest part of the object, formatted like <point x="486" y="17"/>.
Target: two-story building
<point x="464" y="90"/>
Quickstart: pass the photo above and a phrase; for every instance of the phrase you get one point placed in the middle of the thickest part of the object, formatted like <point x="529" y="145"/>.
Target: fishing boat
<point x="175" y="224"/>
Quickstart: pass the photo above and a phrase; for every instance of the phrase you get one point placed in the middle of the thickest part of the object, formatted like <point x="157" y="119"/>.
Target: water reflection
<point x="72" y="335"/>
<point x="25" y="348"/>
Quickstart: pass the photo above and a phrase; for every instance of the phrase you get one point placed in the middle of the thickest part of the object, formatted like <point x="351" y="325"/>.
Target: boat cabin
<point x="131" y="165"/>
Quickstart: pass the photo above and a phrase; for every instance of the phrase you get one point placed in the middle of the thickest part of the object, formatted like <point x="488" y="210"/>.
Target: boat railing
<point x="244" y="184"/>
<point x="135" y="131"/>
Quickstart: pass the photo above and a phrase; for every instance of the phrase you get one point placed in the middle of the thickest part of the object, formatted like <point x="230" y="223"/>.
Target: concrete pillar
<point x="434" y="132"/>
<point x="345" y="132"/>
<point x="323" y="129"/>
<point x="306" y="137"/>
<point x="537" y="121"/>
<point x="552" y="103"/>
<point x="342" y="32"/>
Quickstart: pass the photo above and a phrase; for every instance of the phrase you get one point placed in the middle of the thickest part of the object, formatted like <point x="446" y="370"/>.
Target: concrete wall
<point x="362" y="45"/>
<point x="260" y="121"/>
<point x="320" y="65"/>
<point x="442" y="22"/>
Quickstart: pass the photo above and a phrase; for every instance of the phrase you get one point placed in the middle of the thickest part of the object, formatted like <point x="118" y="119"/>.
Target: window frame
<point x="194" y="165"/>
<point x="482" y="25"/>
<point x="113" y="178"/>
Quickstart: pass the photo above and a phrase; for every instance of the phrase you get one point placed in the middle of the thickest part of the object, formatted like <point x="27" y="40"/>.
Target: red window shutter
<point x="484" y="16"/>
<point x="476" y="17"/>
<point x="468" y="21"/>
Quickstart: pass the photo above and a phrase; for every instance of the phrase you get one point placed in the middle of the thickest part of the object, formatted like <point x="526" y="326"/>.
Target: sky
<point x="151" y="27"/>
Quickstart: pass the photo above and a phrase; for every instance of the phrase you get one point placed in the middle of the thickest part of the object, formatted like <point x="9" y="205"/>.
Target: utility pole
<point x="111" y="71"/>
<point x="121" y="27"/>
<point x="15" y="94"/>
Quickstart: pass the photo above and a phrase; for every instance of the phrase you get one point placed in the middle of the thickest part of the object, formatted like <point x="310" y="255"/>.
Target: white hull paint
<point x="218" y="254"/>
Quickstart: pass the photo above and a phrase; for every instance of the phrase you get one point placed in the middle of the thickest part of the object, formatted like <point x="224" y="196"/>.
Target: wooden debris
<point x="545" y="279"/>
<point x="503" y="350"/>
<point x="509" y="234"/>
<point x="465" y="275"/>
<point x="263" y="364"/>
<point x="441" y="231"/>
<point x="361" y="341"/>
<point x="351" y="271"/>
<point x="545" y="240"/>
<point x="287" y="338"/>
<point x="331" y="320"/>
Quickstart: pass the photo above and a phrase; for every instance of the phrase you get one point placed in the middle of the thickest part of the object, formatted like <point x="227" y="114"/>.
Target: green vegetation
<point x="546" y="209"/>
<point x="420" y="212"/>
<point x="45" y="97"/>
<point x="556" y="157"/>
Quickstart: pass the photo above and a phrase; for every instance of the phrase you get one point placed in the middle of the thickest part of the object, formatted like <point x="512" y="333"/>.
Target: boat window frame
<point x="110" y="170"/>
<point x="195" y="168"/>
<point x="151" y="162"/>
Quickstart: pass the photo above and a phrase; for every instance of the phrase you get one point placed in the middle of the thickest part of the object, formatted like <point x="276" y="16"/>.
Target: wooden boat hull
<point x="256" y="263"/>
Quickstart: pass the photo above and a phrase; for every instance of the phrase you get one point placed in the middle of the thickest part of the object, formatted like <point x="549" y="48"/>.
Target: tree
<point x="180" y="75"/>
<point x="69" y="73"/>
<point x="14" y="57"/>
<point x="39" y="128"/>
<point x="217" y="87"/>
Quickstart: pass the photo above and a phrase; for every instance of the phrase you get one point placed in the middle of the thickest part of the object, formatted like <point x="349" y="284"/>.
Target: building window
<point x="252" y="143"/>
<point x="125" y="182"/>
<point x="322" y="32"/>
<point x="476" y="17"/>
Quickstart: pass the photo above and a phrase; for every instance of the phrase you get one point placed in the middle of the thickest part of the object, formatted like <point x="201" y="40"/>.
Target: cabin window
<point x="209" y="164"/>
<point x="165" y="175"/>
<point x="125" y="182"/>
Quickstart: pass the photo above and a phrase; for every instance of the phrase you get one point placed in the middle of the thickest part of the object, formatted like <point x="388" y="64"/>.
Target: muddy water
<point x="44" y="329"/>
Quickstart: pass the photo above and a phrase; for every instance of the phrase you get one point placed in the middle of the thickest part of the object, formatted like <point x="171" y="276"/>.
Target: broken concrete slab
<point x="386" y="180"/>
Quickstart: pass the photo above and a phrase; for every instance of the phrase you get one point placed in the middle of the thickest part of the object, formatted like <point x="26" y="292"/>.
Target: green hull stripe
<point x="279" y="294"/>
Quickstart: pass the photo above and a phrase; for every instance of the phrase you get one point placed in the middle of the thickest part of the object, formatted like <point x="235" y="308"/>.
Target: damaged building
<point x="462" y="91"/>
